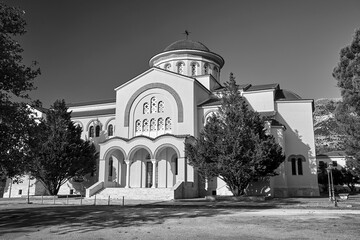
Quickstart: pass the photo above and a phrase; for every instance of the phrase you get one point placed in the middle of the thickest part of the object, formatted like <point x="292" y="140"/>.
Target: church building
<point x="140" y="134"/>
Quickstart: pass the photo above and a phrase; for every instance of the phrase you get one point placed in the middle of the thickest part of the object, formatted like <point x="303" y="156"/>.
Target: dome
<point x="186" y="44"/>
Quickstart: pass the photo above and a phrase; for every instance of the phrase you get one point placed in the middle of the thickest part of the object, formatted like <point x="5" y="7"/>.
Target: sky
<point x="87" y="48"/>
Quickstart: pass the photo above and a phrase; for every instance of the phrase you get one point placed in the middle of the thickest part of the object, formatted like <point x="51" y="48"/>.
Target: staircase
<point x="136" y="193"/>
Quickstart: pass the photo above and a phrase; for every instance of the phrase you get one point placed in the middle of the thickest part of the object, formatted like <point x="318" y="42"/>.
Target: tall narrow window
<point x="293" y="166"/>
<point x="146" y="108"/>
<point x="180" y="67"/>
<point x="153" y="124"/>
<point x="145" y="125"/>
<point x="110" y="166"/>
<point x="91" y="131"/>
<point x="97" y="131"/>
<point x="300" y="166"/>
<point x="110" y="130"/>
<point x="168" y="124"/>
<point x="176" y="166"/>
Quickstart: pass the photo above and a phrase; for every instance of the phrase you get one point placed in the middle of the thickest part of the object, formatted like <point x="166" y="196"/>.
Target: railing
<point x="94" y="188"/>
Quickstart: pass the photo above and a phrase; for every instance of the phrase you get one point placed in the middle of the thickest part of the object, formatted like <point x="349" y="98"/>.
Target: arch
<point x="296" y="164"/>
<point x="136" y="148"/>
<point x="207" y="114"/>
<point x="180" y="67"/>
<point x="151" y="86"/>
<point x="79" y="123"/>
<point x="110" y="130"/>
<point x="161" y="147"/>
<point x="93" y="121"/>
<point x="108" y="121"/>
<point x="111" y="149"/>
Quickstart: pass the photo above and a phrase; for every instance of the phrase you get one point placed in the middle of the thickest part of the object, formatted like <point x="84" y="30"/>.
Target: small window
<point x="168" y="124"/>
<point x="153" y="105"/>
<point x="138" y="126"/>
<point x="300" y="166"/>
<point x="193" y="69"/>
<point x="161" y="107"/>
<point x="146" y="109"/>
<point x="160" y="124"/>
<point x="91" y="131"/>
<point x="20" y="191"/>
<point x="110" y="130"/>
<point x="145" y="125"/>
<point x="110" y="166"/>
<point x="97" y="131"/>
<point x="71" y="191"/>
<point x="206" y="69"/>
<point x="167" y="66"/>
<point x="180" y="67"/>
<point x="153" y="124"/>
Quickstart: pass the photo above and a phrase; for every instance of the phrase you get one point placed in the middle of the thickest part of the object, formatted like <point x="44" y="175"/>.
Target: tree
<point x="234" y="144"/>
<point x="57" y="151"/>
<point x="16" y="80"/>
<point x="347" y="73"/>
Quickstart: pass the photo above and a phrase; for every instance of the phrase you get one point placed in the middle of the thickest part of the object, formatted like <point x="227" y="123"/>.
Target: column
<point x="128" y="163"/>
<point x="153" y="173"/>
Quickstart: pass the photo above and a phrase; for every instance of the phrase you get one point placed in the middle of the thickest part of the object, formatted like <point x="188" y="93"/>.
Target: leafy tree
<point x="234" y="144"/>
<point x="57" y="151"/>
<point x="347" y="73"/>
<point x="16" y="80"/>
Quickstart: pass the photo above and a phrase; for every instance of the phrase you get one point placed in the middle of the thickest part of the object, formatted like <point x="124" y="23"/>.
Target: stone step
<point x="136" y="193"/>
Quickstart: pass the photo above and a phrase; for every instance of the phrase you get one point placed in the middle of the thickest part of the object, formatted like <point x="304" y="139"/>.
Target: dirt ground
<point x="279" y="219"/>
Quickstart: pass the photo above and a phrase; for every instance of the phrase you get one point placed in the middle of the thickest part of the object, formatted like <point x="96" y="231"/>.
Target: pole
<point x="42" y="198"/>
<point x="329" y="184"/>
<point x="54" y="199"/>
<point x="80" y="199"/>
<point x="95" y="200"/>
<point x="123" y="201"/>
<point x="67" y="199"/>
<point x="109" y="201"/>
<point x="28" y="192"/>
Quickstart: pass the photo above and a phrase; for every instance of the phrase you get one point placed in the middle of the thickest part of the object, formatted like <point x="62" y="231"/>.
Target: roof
<point x="210" y="102"/>
<point x="283" y="94"/>
<point x="186" y="44"/>
<point x="91" y="103"/>
<point x="333" y="154"/>
<point x="110" y="111"/>
<point x="263" y="87"/>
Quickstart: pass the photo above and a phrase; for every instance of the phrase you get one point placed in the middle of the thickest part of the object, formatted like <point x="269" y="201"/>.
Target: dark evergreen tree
<point x="234" y="144"/>
<point x="347" y="73"/>
<point x="57" y="151"/>
<point x="16" y="80"/>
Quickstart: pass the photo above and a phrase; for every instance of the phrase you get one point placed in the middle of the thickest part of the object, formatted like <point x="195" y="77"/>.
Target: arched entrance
<point x="115" y="168"/>
<point x="141" y="168"/>
<point x="167" y="166"/>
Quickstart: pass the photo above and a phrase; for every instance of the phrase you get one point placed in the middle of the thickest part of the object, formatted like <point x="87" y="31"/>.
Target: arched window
<point x="138" y="126"/>
<point x="153" y="124"/>
<point x="206" y="68"/>
<point x="193" y="69"/>
<point x="180" y="67"/>
<point x="153" y="105"/>
<point x="110" y="130"/>
<point x="145" y="125"/>
<point x="168" y="124"/>
<point x="146" y="108"/>
<point x="160" y="124"/>
<point x="167" y="66"/>
<point x="296" y="164"/>
<point x="161" y="107"/>
<point x="97" y="131"/>
<point x="91" y="131"/>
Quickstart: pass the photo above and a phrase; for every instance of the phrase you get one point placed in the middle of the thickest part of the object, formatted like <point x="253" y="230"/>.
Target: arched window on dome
<point x="167" y="66"/>
<point x="161" y="107"/>
<point x="110" y="130"/>
<point x="206" y="68"/>
<point x="180" y="67"/>
<point x="146" y="108"/>
<point x="194" y="67"/>
<point x="153" y="105"/>
<point x="91" y="131"/>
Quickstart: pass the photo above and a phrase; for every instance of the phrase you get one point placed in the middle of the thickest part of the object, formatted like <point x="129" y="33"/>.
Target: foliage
<point x="16" y="80"/>
<point x="347" y="73"/>
<point x="57" y="151"/>
<point x="234" y="144"/>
